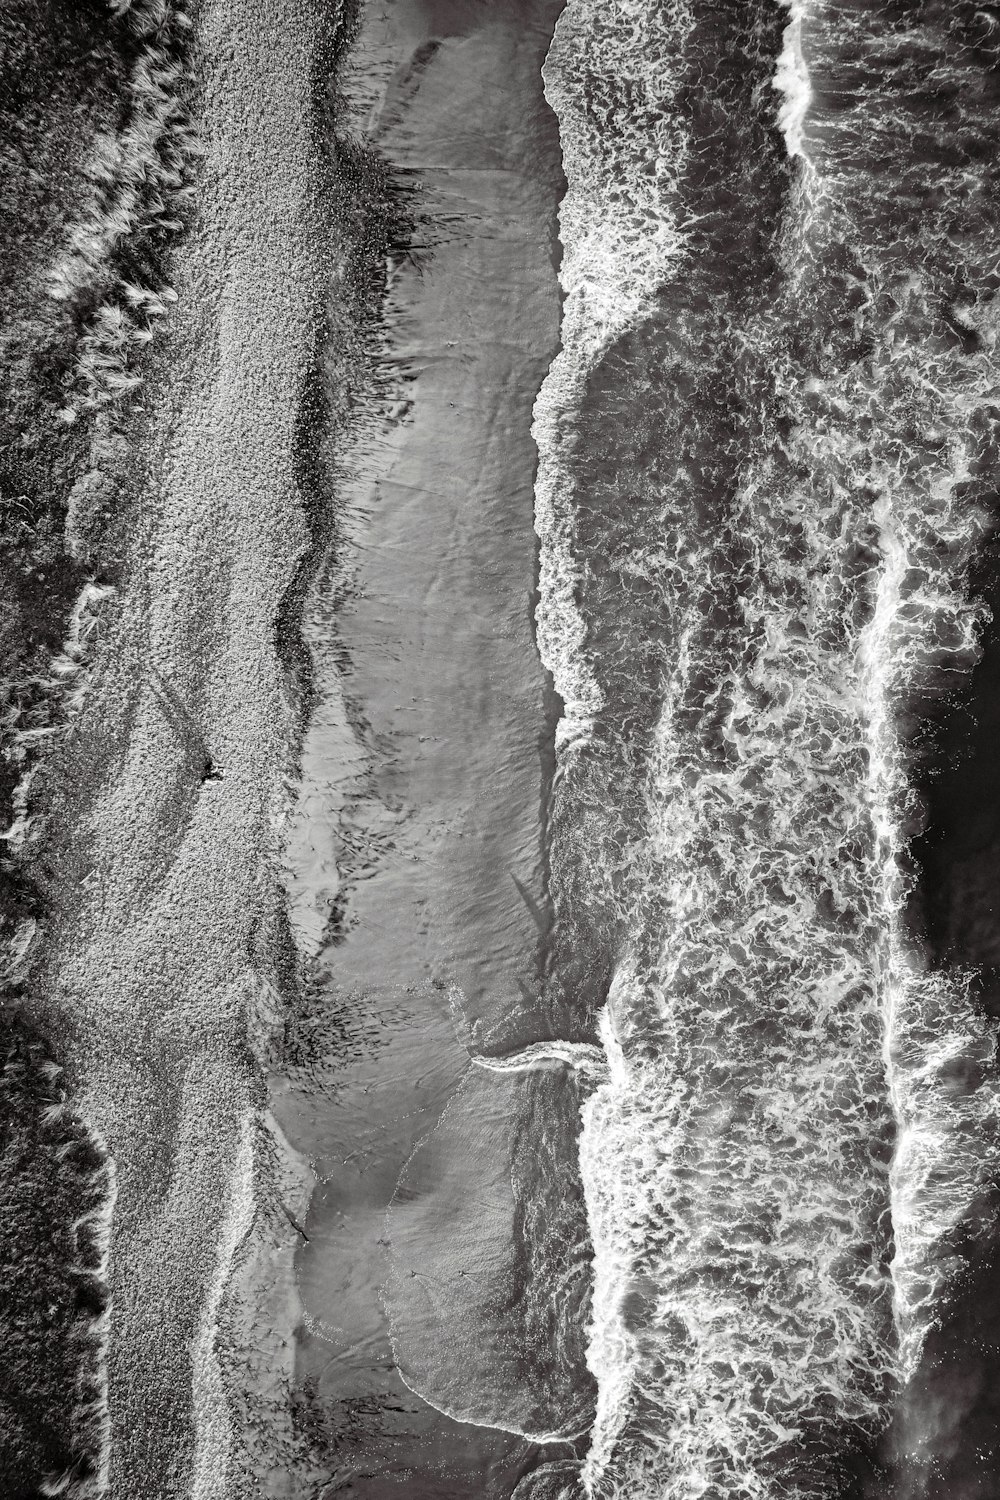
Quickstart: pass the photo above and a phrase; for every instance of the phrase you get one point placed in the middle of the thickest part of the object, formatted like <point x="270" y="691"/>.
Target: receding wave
<point x="489" y="1288"/>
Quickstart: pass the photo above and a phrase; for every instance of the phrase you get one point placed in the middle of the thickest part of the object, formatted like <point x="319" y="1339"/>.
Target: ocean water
<point x="767" y="466"/>
<point x="424" y="1359"/>
<point x="698" y="1198"/>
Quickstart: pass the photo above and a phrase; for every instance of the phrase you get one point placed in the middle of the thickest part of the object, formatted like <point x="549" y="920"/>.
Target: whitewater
<point x="764" y="460"/>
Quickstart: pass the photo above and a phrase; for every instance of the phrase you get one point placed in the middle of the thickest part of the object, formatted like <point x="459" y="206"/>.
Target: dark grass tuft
<point x="72" y="73"/>
<point x="59" y="78"/>
<point x="52" y="1183"/>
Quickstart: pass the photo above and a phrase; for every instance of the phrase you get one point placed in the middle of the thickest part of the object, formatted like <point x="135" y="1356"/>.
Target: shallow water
<point x="417" y="862"/>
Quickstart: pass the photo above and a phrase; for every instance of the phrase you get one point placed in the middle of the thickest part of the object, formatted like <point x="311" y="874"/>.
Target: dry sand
<point x="168" y="898"/>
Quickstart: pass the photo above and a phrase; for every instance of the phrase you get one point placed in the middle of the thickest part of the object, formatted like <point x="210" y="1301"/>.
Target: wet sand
<point x="425" y="772"/>
<point x="169" y="908"/>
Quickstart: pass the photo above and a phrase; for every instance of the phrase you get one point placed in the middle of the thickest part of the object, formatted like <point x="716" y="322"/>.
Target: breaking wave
<point x="766" y="453"/>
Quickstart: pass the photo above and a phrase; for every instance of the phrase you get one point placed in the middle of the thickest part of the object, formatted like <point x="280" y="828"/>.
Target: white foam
<point x="943" y="1158"/>
<point x="582" y="1057"/>
<point x="791" y="78"/>
<point x="769" y="1029"/>
<point x="618" y="247"/>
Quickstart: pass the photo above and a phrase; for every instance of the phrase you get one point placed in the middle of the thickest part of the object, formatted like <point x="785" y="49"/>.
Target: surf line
<point x="916" y="1227"/>
<point x="214" y="1430"/>
<point x="791" y="78"/>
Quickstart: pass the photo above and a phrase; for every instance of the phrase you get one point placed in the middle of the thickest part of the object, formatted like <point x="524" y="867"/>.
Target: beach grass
<point x="96" y="156"/>
<point x="94" y="164"/>
<point x="53" y="1187"/>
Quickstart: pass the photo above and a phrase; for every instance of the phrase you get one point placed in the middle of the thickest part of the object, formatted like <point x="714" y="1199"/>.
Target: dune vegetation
<point x="94" y="176"/>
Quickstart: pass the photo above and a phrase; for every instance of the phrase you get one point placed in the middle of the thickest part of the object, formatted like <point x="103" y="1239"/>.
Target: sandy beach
<point x="170" y="915"/>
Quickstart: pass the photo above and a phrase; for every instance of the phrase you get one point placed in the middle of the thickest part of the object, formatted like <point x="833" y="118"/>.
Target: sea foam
<point x="760" y="522"/>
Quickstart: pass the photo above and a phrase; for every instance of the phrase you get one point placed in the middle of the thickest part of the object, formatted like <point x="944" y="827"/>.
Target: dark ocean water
<point x="767" y="487"/>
